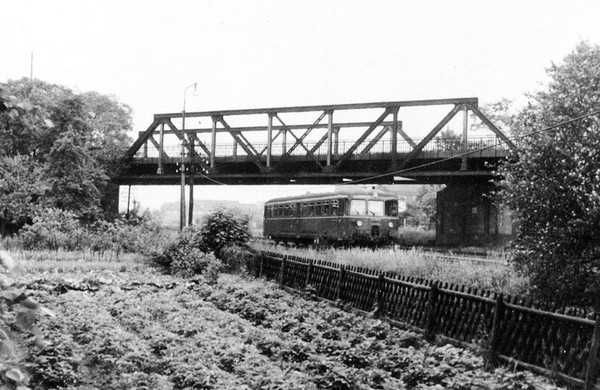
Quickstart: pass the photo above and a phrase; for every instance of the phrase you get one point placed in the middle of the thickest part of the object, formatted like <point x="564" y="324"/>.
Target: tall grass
<point x="494" y="276"/>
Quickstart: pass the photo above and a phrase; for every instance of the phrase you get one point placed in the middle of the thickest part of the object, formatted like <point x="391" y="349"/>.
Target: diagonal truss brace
<point x="142" y="139"/>
<point x="157" y="146"/>
<point x="491" y="126"/>
<point x="299" y="140"/>
<point x="416" y="150"/>
<point x="196" y="158"/>
<point x="243" y="142"/>
<point x="362" y="138"/>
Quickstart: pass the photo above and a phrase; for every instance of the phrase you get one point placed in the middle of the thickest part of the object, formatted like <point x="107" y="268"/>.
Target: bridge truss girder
<point x="201" y="155"/>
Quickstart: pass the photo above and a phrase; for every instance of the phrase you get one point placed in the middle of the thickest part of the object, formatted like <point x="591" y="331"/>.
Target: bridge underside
<point x="376" y="169"/>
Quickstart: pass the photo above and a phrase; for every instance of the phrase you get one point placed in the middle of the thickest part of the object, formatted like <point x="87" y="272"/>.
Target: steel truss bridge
<point x="314" y="145"/>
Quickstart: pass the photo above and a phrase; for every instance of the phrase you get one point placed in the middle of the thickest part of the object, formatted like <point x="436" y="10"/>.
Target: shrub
<point x="237" y="259"/>
<point x="416" y="237"/>
<point x="53" y="229"/>
<point x="186" y="256"/>
<point x="222" y="228"/>
<point x="198" y="250"/>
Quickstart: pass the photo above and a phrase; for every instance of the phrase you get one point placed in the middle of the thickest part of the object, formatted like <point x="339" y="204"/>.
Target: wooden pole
<point x="379" y="302"/>
<point x="261" y="265"/>
<point x="495" y="336"/>
<point x="340" y="286"/>
<point x="431" y="309"/>
<point x="592" y="369"/>
<point x="282" y="273"/>
<point x="309" y="272"/>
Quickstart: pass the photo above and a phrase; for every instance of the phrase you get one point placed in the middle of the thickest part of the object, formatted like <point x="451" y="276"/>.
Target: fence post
<point x="341" y="280"/>
<point x="592" y="369"/>
<point x="431" y="308"/>
<point x="282" y="272"/>
<point x="379" y="300"/>
<point x="495" y="337"/>
<point x="309" y="273"/>
<point x="260" y="266"/>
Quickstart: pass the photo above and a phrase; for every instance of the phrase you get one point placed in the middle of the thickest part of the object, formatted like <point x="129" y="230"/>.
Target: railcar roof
<point x="340" y="193"/>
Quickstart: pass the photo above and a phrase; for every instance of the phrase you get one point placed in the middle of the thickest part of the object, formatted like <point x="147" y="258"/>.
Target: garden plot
<point x="137" y="329"/>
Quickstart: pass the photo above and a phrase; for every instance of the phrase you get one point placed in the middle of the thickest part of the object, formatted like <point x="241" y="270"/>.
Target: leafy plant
<point x="553" y="183"/>
<point x="222" y="228"/>
<point x="18" y="317"/>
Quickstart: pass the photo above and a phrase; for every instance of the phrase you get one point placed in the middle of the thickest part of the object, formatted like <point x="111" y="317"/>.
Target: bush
<point x="53" y="229"/>
<point x="237" y="259"/>
<point x="222" y="228"/>
<point x="198" y="250"/>
<point x="186" y="256"/>
<point x="416" y="237"/>
<point x="56" y="229"/>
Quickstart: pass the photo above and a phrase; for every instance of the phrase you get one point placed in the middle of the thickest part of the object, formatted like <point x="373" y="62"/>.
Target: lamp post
<point x="182" y="203"/>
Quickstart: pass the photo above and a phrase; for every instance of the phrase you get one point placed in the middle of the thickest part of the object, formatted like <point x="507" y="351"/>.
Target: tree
<point x="552" y="184"/>
<point x="448" y="140"/>
<point x="22" y="184"/>
<point x="77" y="181"/>
<point x="423" y="212"/>
<point x="78" y="138"/>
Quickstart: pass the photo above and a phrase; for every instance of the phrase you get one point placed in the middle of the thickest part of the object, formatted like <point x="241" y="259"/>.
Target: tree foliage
<point x="76" y="140"/>
<point x="22" y="184"/>
<point x="423" y="212"/>
<point x="553" y="183"/>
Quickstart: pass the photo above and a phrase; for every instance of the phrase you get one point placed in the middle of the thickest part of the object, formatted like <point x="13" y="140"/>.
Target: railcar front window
<point x="358" y="207"/>
<point x="376" y="208"/>
<point x="391" y="208"/>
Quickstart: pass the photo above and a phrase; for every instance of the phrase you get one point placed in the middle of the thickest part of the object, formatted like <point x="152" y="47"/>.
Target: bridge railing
<point x="437" y="148"/>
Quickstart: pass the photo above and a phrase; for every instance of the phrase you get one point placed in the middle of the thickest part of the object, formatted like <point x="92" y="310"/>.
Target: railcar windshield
<point x="367" y="207"/>
<point x="375" y="208"/>
<point x="358" y="207"/>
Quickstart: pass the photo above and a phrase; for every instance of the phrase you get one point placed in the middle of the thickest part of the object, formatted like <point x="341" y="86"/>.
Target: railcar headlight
<point x="359" y="223"/>
<point x="391" y="224"/>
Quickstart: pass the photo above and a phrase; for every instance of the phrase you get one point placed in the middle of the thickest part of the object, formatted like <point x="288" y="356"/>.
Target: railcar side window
<point x="335" y="207"/>
<point x="358" y="207"/>
<point x="375" y="208"/>
<point x="326" y="208"/>
<point x="391" y="208"/>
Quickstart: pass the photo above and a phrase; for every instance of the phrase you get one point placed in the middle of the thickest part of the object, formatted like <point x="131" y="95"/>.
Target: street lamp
<point x="182" y="205"/>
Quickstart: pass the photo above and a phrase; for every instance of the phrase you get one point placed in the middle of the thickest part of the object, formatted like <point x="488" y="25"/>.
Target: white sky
<point x="252" y="54"/>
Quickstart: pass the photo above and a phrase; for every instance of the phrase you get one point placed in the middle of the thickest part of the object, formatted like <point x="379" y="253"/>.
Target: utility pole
<point x="182" y="201"/>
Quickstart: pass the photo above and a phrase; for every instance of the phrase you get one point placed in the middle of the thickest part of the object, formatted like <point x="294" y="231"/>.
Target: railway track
<point x="433" y="253"/>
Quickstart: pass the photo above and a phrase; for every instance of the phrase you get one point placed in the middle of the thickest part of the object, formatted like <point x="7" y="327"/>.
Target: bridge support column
<point x="329" y="135"/>
<point x="394" y="140"/>
<point x="213" y="145"/>
<point x="465" y="145"/>
<point x="161" y="149"/>
<point x="467" y="215"/>
<point x="269" y="139"/>
<point x="283" y="141"/>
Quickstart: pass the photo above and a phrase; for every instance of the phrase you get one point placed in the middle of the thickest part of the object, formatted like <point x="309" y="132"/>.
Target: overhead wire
<point x="460" y="155"/>
<point x="545" y="129"/>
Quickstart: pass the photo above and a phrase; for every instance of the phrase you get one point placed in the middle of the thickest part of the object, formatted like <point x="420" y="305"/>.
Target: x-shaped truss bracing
<point x="250" y="138"/>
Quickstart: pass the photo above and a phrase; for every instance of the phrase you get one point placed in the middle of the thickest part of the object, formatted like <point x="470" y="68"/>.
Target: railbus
<point x="347" y="216"/>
